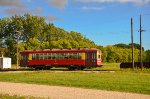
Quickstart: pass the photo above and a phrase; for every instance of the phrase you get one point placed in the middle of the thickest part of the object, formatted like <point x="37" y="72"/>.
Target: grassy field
<point x="7" y="96"/>
<point x="125" y="80"/>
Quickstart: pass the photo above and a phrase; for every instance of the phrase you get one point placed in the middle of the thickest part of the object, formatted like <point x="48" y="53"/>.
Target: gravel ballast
<point x="59" y="92"/>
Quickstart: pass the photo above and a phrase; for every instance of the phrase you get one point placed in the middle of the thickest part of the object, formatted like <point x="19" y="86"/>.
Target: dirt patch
<point x="58" y="92"/>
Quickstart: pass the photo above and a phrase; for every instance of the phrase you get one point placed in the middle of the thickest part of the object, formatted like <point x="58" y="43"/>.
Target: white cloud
<point x="51" y="18"/>
<point x="14" y="3"/>
<point x="92" y="8"/>
<point x="37" y="10"/>
<point x="12" y="7"/>
<point x="58" y="3"/>
<point x="15" y="10"/>
<point x="137" y="2"/>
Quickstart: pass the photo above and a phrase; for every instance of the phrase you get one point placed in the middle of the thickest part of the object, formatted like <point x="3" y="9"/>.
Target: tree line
<point x="122" y="53"/>
<point x="34" y="32"/>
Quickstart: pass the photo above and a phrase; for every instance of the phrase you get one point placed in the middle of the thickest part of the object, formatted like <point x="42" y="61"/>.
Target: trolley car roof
<point x="60" y="50"/>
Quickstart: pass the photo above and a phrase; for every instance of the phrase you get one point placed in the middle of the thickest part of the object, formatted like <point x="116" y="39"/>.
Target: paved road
<point x="58" y="92"/>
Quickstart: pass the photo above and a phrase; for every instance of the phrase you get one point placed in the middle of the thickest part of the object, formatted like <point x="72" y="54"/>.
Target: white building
<point x="5" y="62"/>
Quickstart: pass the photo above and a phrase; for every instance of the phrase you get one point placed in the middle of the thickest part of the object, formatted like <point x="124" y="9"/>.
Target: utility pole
<point x="141" y="43"/>
<point x="18" y="35"/>
<point x="132" y="44"/>
<point x="17" y="51"/>
<point x="141" y="63"/>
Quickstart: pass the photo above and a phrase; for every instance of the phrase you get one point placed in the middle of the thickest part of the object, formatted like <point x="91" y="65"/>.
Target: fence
<point x="136" y="65"/>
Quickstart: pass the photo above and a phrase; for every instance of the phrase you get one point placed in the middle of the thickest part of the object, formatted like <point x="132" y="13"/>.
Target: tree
<point x="48" y="33"/>
<point x="64" y="43"/>
<point x="33" y="43"/>
<point x="121" y="45"/>
<point x="137" y="46"/>
<point x="74" y="44"/>
<point x="32" y="32"/>
<point x="55" y="44"/>
<point x="147" y="56"/>
<point x="33" y="27"/>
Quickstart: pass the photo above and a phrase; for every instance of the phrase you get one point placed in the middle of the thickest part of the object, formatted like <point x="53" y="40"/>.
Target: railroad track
<point x="55" y="70"/>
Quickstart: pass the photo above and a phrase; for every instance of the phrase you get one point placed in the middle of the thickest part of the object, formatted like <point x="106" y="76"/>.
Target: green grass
<point x="125" y="80"/>
<point x="7" y="96"/>
<point x="108" y="66"/>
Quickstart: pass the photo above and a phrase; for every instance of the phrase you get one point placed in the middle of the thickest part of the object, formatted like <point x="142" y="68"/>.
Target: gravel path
<point x="58" y="92"/>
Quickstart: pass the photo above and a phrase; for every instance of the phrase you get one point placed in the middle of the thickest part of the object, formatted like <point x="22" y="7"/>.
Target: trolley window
<point x="93" y="55"/>
<point x="49" y="56"/>
<point x="79" y="55"/>
<point x="53" y="55"/>
<point x="45" y="56"/>
<point x="37" y="57"/>
<point x="33" y="56"/>
<point x="41" y="56"/>
<point x="24" y="57"/>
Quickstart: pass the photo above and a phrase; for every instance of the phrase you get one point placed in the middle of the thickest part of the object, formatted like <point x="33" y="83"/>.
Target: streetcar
<point x="80" y="58"/>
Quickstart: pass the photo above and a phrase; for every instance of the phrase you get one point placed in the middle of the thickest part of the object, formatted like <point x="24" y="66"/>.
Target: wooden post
<point x="141" y="63"/>
<point x="132" y="45"/>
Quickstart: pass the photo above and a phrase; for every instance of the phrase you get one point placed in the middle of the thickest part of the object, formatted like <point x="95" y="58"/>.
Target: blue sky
<point x="106" y="22"/>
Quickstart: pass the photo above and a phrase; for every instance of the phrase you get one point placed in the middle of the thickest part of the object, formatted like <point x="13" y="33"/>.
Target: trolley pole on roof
<point x="132" y="45"/>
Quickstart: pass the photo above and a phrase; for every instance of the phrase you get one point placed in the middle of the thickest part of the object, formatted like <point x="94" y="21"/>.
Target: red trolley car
<point x="70" y="58"/>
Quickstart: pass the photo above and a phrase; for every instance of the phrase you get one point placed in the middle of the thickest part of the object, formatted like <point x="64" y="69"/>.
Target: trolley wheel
<point x="81" y="68"/>
<point x="72" y="68"/>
